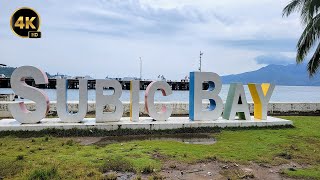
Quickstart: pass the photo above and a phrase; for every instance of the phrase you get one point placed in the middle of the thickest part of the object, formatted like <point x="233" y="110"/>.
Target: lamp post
<point x="200" y="61"/>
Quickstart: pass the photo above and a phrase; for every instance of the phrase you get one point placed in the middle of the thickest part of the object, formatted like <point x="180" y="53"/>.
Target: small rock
<point x="291" y="169"/>
<point x="28" y="146"/>
<point x="236" y="165"/>
<point x="181" y="172"/>
<point x="247" y="170"/>
<point x="225" y="166"/>
<point x="271" y="171"/>
<point x="209" y="174"/>
<point x="264" y="165"/>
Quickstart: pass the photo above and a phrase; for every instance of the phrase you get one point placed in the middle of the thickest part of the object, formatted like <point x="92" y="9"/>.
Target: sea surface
<point x="280" y="94"/>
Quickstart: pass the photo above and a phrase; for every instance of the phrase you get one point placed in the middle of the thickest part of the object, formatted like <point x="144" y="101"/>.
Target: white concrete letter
<point x="20" y="88"/>
<point x="197" y="94"/>
<point x="236" y="103"/>
<point x="134" y="100"/>
<point x="165" y="112"/>
<point x="62" y="104"/>
<point x="103" y="100"/>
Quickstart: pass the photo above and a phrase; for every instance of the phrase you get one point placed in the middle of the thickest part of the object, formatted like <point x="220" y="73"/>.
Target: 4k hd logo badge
<point x="25" y="23"/>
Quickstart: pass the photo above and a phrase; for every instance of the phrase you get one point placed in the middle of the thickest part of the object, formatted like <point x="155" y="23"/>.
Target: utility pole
<point x="140" y="68"/>
<point x="200" y="63"/>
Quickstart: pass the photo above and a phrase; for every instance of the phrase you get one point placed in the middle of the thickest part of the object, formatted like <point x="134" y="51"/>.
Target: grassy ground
<point x="55" y="158"/>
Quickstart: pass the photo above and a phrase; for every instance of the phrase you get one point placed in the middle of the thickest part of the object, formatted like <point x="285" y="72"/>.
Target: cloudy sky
<point x="106" y="37"/>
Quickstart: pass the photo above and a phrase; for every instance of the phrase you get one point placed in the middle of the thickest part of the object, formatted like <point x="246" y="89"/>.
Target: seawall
<point x="179" y="108"/>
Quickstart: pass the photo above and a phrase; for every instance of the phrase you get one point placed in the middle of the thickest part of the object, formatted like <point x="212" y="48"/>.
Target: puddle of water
<point x="185" y="138"/>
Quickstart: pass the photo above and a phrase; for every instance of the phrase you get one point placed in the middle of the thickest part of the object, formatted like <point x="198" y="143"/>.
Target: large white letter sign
<point x="197" y="94"/>
<point x="261" y="94"/>
<point x="62" y="105"/>
<point x="19" y="86"/>
<point x="236" y="103"/>
<point x="102" y="100"/>
<point x="165" y="112"/>
<point x="134" y="100"/>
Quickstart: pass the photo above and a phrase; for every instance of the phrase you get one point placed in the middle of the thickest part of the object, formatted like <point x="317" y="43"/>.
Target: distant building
<point x="78" y="77"/>
<point x="186" y="79"/>
<point x="60" y="76"/>
<point x="88" y="77"/>
<point x="123" y="79"/>
<point x="161" y="78"/>
<point x="129" y="78"/>
<point x="110" y="78"/>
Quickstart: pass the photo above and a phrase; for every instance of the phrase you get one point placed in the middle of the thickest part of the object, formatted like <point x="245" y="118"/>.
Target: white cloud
<point x="107" y="37"/>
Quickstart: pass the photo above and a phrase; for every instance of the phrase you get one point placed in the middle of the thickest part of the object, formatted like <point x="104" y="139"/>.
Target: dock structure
<point x="74" y="84"/>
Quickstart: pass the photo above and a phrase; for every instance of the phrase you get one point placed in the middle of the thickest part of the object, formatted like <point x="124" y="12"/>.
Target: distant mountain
<point x="7" y="71"/>
<point x="290" y="75"/>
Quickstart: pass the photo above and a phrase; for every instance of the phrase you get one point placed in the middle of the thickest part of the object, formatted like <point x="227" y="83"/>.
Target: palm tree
<point x="310" y="18"/>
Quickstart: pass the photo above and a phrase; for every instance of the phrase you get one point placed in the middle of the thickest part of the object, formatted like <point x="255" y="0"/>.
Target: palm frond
<point x="309" y="9"/>
<point x="306" y="14"/>
<point x="309" y="36"/>
<point x="314" y="63"/>
<point x="294" y="5"/>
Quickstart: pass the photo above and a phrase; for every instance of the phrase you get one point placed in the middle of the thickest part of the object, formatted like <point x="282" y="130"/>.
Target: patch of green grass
<point x="41" y="152"/>
<point x="308" y="173"/>
<point x="111" y="176"/>
<point x="44" y="174"/>
<point x="10" y="168"/>
<point x="117" y="163"/>
<point x="156" y="177"/>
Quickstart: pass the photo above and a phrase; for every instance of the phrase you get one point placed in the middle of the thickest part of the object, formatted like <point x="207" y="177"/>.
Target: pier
<point x="74" y="84"/>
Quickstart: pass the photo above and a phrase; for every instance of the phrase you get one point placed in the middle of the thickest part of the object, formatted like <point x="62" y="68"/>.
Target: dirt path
<point x="218" y="170"/>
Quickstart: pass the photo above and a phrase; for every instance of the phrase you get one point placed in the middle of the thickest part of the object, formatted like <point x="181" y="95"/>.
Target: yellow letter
<point x="261" y="94"/>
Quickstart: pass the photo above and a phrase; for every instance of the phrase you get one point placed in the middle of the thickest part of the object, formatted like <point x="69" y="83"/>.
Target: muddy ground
<point x="213" y="170"/>
<point x="210" y="169"/>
